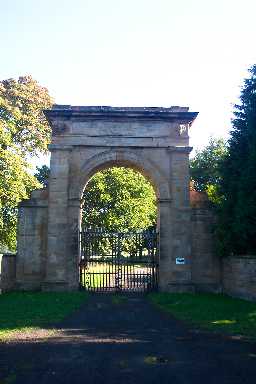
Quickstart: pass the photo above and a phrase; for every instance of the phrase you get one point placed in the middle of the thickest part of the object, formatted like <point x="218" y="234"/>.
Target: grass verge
<point x="22" y="312"/>
<point x="211" y="311"/>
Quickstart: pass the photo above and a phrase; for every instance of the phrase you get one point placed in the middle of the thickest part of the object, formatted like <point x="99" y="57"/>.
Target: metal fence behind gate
<point x="123" y="261"/>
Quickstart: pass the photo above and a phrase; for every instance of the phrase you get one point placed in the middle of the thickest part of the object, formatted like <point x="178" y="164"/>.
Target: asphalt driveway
<point x="127" y="342"/>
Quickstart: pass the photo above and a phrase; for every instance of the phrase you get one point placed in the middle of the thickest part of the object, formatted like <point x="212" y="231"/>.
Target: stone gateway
<point x="155" y="142"/>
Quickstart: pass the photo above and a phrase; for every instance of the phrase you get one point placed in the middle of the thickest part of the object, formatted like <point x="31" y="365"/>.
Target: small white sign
<point x="180" y="260"/>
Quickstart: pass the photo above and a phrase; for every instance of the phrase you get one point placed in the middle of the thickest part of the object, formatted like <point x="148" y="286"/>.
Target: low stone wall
<point x="205" y="269"/>
<point x="7" y="272"/>
<point x="239" y="276"/>
<point x="32" y="237"/>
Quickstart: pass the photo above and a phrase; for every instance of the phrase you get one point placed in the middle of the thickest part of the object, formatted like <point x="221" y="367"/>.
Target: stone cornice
<point x="68" y="112"/>
<point x="60" y="147"/>
<point x="180" y="149"/>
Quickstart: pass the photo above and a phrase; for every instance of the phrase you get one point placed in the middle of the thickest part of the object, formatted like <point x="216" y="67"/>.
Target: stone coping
<point x="96" y="112"/>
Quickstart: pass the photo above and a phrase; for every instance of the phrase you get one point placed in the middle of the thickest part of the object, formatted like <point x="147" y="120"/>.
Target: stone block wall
<point x="206" y="274"/>
<point x="7" y="272"/>
<point x="32" y="241"/>
<point x="239" y="276"/>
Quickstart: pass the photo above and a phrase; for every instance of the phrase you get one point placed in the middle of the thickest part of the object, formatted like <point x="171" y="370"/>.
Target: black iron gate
<point x="123" y="261"/>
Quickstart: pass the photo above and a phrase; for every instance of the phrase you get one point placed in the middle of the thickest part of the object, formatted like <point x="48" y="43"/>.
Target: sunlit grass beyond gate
<point x="21" y="312"/>
<point x="211" y="311"/>
<point x="102" y="277"/>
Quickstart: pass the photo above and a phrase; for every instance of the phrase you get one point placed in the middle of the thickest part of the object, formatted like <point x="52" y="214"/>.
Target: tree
<point x="119" y="199"/>
<point x="15" y="185"/>
<point x="24" y="132"/>
<point x="42" y="175"/>
<point x="23" y="125"/>
<point x="205" y="168"/>
<point x="238" y="186"/>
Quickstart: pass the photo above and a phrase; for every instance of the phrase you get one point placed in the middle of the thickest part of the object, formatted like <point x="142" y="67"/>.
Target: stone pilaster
<point x="59" y="232"/>
<point x="73" y="246"/>
<point x="177" y="277"/>
<point x="165" y="243"/>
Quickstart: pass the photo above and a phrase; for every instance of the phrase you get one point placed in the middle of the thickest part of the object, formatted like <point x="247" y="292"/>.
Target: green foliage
<point x="24" y="132"/>
<point x="23" y="124"/>
<point x="119" y="199"/>
<point x="211" y="311"/>
<point x="8" y="211"/>
<point x="42" y="175"/>
<point x="15" y="184"/>
<point x="237" y="230"/>
<point x="25" y="311"/>
<point x="205" y="168"/>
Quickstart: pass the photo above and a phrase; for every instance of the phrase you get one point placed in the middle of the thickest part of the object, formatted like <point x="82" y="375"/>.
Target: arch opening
<point x="118" y="236"/>
<point x="87" y="173"/>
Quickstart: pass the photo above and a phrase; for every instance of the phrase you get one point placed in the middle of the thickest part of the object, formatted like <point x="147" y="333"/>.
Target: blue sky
<point x="134" y="53"/>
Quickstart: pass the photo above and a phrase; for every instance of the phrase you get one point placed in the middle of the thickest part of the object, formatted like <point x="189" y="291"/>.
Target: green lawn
<point x="23" y="311"/>
<point x="211" y="311"/>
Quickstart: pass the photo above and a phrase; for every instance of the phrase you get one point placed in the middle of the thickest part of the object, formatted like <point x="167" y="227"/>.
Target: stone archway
<point x="119" y="268"/>
<point x="154" y="141"/>
<point x="117" y="260"/>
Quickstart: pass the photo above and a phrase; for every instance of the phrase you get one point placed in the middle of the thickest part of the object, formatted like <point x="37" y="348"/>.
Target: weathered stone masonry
<point x="153" y="141"/>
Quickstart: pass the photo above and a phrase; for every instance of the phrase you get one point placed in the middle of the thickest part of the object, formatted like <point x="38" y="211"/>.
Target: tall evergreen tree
<point x="238" y="213"/>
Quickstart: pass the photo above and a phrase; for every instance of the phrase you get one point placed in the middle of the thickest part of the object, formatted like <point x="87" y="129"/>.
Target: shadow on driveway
<point x="127" y="342"/>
